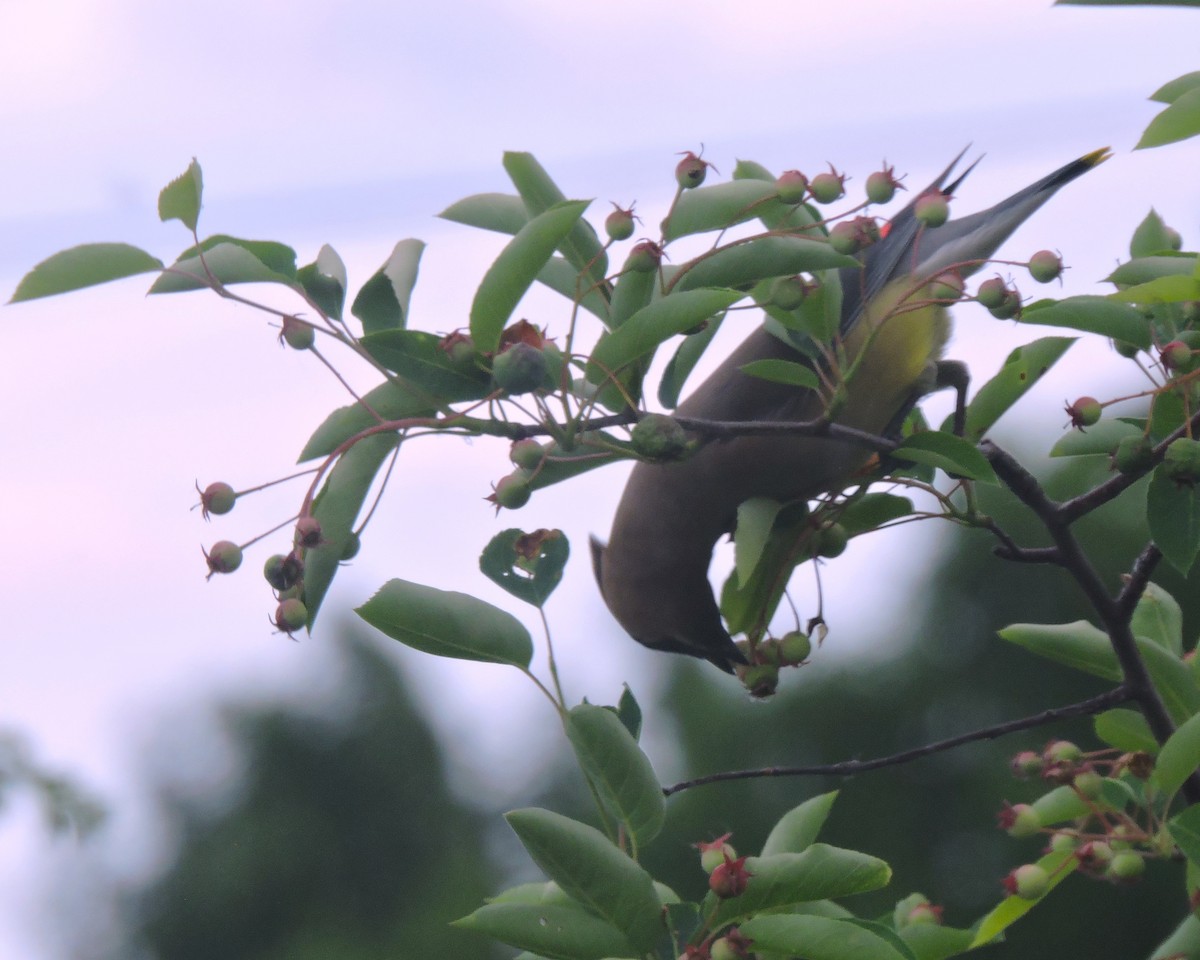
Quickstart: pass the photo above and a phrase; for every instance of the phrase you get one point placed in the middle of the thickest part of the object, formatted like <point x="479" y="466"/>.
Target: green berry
<point x="992" y="293"/>
<point x="1175" y="356"/>
<point x="948" y="286"/>
<point x="1027" y="764"/>
<point x="297" y="334"/>
<point x="791" y="186"/>
<point x="1028" y="882"/>
<point x="519" y="369"/>
<point x="659" y="437"/>
<point x="1084" y="412"/>
<point x="459" y="348"/>
<point x="1089" y="784"/>
<point x="527" y="454"/>
<point x="690" y="171"/>
<point x="761" y="679"/>
<point x="619" y="224"/>
<point x="1063" y="842"/>
<point x="223" y="557"/>
<point x="217" y="498"/>
<point x="1009" y="307"/>
<point x="1126" y="866"/>
<point x="1062" y="751"/>
<point x="283" y="572"/>
<point x="1045" y="265"/>
<point x="843" y="237"/>
<point x="788" y="293"/>
<point x="795" y="647"/>
<point x="513" y="491"/>
<point x="1133" y="455"/>
<point x="713" y="854"/>
<point x="828" y="187"/>
<point x="1182" y="461"/>
<point x="291" y="615"/>
<point x="645" y="257"/>
<point x="932" y="209"/>
<point x="1020" y="821"/>
<point x="831" y="540"/>
<point x="881" y="185"/>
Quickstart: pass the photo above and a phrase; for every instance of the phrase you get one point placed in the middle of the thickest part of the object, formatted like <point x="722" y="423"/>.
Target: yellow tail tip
<point x="1096" y="157"/>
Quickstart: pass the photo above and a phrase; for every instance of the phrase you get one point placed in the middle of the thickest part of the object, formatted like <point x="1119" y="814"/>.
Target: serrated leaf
<point x="1126" y="730"/>
<point x="180" y="199"/>
<point x="84" y="266"/>
<point x="717" y="207"/>
<point x="658" y="321"/>
<point x="684" y="361"/>
<point x="1173" y="513"/>
<point x="782" y="371"/>
<point x="1179" y="121"/>
<point x="741" y="265"/>
<point x="1158" y="617"/>
<point x="1101" y="439"/>
<point x="618" y="769"/>
<point x="1021" y="370"/>
<point x="819" y="938"/>
<point x="755" y="518"/>
<point x="527" y="565"/>
<point x="418" y="357"/>
<point x="392" y="401"/>
<point x="1058" y="867"/>
<point x="230" y="260"/>
<point x="448" y="624"/>
<point x="551" y="930"/>
<point x="324" y="280"/>
<point x="1150" y="237"/>
<point x="1079" y="645"/>
<point x="336" y="508"/>
<point x="1091" y="314"/>
<point x="1178" y="758"/>
<point x="1185" y="831"/>
<point x="500" y="212"/>
<point x="821" y="872"/>
<point x="949" y="453"/>
<point x="797" y="829"/>
<point x="382" y="302"/>
<point x="515" y="269"/>
<point x="593" y="872"/>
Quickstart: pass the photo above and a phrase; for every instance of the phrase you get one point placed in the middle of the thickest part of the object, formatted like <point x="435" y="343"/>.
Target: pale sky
<point x="353" y="124"/>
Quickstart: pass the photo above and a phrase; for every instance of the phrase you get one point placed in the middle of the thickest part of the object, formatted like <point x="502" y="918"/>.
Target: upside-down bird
<point x="653" y="573"/>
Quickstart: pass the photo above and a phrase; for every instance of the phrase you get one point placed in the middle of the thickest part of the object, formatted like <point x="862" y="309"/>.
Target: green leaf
<point x="514" y="271"/>
<point x="419" y="358"/>
<point x="797" y="829"/>
<point x="1060" y="805"/>
<point x="324" y="280"/>
<point x="336" y="508"/>
<point x="1179" y="121"/>
<point x="782" y="371"/>
<point x="561" y="464"/>
<point x="448" y="624"/>
<point x="618" y="769"/>
<point x="392" y="401"/>
<point x="1173" y="512"/>
<point x="83" y="266"/>
<point x="230" y="260"/>
<point x="1174" y="680"/>
<point x="562" y="277"/>
<point x="755" y="518"/>
<point x="501" y="212"/>
<point x="684" y="361"/>
<point x="593" y="872"/>
<point x="821" y="872"/>
<point x="931" y="941"/>
<point x="581" y="246"/>
<point x="717" y="207"/>
<point x="1091" y="314"/>
<point x="1163" y="290"/>
<point x="658" y="321"/>
<point x="1144" y="269"/>
<point x="527" y="565"/>
<point x="1178" y="758"/>
<point x="1079" y="645"/>
<point x="1172" y="90"/>
<point x="743" y="264"/>
<point x="1126" y="730"/>
<point x="629" y="713"/>
<point x="954" y="455"/>
<point x="873" y="510"/>
<point x="1158" y="617"/>
<point x="180" y="199"/>
<point x="1058" y="866"/>
<point x="1185" y="831"/>
<point x="885" y="932"/>
<point x="552" y="930"/>
<point x="1099" y="440"/>
<point x="1021" y="370"/>
<point x="1184" y="941"/>
<point x="634" y="290"/>
<point x="382" y="302"/>
<point x="1150" y="237"/>
<point x="818" y="938"/>
<point x="749" y="608"/>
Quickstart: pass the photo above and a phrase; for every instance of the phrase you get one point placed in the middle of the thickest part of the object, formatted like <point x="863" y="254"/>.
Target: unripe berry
<point x="844" y="238"/>
<point x="1063" y="842"/>
<point x="1029" y="882"/>
<point x="458" y="347"/>
<point x="217" y="498"/>
<point x="828" y="187"/>
<point x="788" y="293"/>
<point x="519" y="369"/>
<point x="1126" y="866"/>
<point x="1133" y="455"/>
<point x="223" y="557"/>
<point x="512" y="492"/>
<point x="949" y="286"/>
<point x="619" y="224"/>
<point x="297" y="334"/>
<point x="1089" y="784"/>
<point x="1045" y="265"/>
<point x="882" y="185"/>
<point x="1094" y="856"/>
<point x="791" y="186"/>
<point x="924" y="913"/>
<point x="1084" y="412"/>
<point x="659" y="437"/>
<point x="1009" y="307"/>
<point x="283" y="572"/>
<point x="308" y="532"/>
<point x="527" y="454"/>
<point x="1027" y="764"/>
<point x="1019" y="821"/>
<point x="715" y="852"/>
<point x="760" y="679"/>
<point x="1062" y="751"/>
<point x="729" y="878"/>
<point x="1182" y="461"/>
<point x="645" y="257"/>
<point x="932" y="209"/>
<point x="991" y="293"/>
<point x="1176" y="355"/>
<point x="690" y="171"/>
<point x="831" y="540"/>
<point x="291" y="615"/>
<point x="795" y="647"/>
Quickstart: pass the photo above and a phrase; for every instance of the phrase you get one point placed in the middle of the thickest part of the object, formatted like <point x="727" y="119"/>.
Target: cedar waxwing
<point x="653" y="573"/>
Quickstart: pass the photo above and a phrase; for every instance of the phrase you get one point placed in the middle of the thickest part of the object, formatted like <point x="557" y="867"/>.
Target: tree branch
<point x="848" y="768"/>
